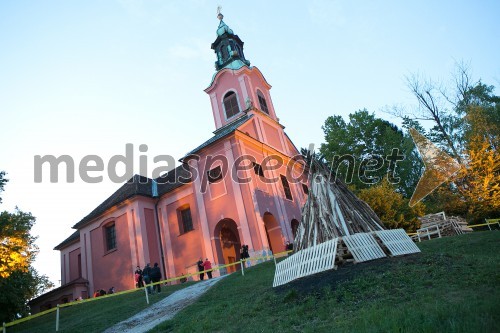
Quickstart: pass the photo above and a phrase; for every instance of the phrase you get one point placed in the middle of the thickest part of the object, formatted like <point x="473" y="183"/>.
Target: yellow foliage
<point x="481" y="187"/>
<point x="391" y="207"/>
<point x="13" y="255"/>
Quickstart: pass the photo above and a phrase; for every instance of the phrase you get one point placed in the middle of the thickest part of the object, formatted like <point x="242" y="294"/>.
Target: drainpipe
<point x="154" y="192"/>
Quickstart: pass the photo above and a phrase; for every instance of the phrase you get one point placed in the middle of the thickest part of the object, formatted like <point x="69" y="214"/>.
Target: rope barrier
<point x="185" y="276"/>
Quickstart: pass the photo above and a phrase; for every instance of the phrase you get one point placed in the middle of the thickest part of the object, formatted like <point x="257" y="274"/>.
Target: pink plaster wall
<point x="256" y="80"/>
<point x="74" y="270"/>
<point x="250" y="129"/>
<point x="186" y="247"/>
<point x="66" y="262"/>
<point x="272" y="136"/>
<point x="112" y="269"/>
<point x="154" y="253"/>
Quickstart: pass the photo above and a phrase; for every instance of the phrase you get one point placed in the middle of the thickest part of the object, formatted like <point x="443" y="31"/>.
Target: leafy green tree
<point x="360" y="151"/>
<point x="19" y="281"/>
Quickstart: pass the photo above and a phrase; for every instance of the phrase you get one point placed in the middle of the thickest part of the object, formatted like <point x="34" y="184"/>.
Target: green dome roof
<point x="223" y="28"/>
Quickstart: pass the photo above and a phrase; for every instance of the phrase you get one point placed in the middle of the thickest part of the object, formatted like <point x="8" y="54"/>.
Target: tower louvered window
<point x="231" y="104"/>
<point x="262" y="102"/>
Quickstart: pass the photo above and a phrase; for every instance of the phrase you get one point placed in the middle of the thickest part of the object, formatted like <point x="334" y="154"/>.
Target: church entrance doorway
<point x="228" y="243"/>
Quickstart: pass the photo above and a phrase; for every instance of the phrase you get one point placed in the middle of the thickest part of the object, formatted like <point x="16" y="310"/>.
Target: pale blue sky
<point x="87" y="77"/>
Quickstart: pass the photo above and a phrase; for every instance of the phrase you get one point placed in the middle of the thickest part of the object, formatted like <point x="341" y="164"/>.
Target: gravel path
<point x="163" y="310"/>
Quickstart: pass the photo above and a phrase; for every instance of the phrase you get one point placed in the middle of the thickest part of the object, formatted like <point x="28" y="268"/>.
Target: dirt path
<point x="163" y="310"/>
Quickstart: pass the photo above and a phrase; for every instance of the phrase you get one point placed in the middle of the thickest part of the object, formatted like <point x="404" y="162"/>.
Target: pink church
<point x="244" y="185"/>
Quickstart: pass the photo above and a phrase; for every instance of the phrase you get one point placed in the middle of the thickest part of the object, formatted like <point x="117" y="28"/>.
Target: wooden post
<point x="4" y="327"/>
<point x="242" y="268"/>
<point x="146" y="292"/>
<point x="57" y="318"/>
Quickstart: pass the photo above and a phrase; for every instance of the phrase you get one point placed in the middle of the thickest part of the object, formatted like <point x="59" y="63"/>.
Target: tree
<point x="17" y="247"/>
<point x="17" y="289"/>
<point x="19" y="281"/>
<point x="466" y="123"/>
<point x="367" y="138"/>
<point x="391" y="207"/>
<point x="3" y="181"/>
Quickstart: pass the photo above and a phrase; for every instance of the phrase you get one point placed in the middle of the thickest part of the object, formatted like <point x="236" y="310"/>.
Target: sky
<point x="88" y="77"/>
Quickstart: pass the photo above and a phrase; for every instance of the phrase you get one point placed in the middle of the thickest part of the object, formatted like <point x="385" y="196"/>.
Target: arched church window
<point x="231" y="104"/>
<point x="262" y="102"/>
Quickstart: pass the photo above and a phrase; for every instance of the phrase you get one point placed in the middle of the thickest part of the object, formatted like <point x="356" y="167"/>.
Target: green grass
<point x="452" y="286"/>
<point x="94" y="316"/>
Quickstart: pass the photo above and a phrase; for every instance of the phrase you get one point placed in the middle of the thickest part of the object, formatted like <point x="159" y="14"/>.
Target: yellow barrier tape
<point x="18" y="321"/>
<point x="91" y="299"/>
<point x="480" y="225"/>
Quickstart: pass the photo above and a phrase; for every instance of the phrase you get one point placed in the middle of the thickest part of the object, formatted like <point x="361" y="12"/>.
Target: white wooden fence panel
<point x="318" y="258"/>
<point x="363" y="247"/>
<point x="286" y="270"/>
<point x="397" y="241"/>
<point x="309" y="261"/>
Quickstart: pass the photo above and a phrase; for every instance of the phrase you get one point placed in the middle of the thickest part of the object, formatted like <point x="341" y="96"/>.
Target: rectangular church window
<point x="214" y="175"/>
<point x="286" y="187"/>
<point x="186" y="222"/>
<point x="110" y="232"/>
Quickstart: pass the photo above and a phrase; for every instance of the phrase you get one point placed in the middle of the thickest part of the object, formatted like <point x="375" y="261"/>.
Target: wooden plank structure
<point x="337" y="227"/>
<point x="332" y="211"/>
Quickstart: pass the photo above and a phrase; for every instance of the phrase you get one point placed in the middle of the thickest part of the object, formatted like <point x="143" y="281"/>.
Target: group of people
<point x="148" y="275"/>
<point x="204" y="266"/>
<point x="102" y="292"/>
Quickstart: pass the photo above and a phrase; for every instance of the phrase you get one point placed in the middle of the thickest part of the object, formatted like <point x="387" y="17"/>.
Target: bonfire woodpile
<point x="331" y="211"/>
<point x="448" y="226"/>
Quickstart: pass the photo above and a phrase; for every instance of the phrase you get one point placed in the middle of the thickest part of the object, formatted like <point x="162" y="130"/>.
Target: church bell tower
<point x="236" y="87"/>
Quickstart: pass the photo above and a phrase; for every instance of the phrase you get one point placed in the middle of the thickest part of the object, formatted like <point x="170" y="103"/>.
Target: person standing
<point x="156" y="277"/>
<point x="146" y="275"/>
<point x="201" y="268"/>
<point x="138" y="277"/>
<point x="244" y="255"/>
<point x="208" y="266"/>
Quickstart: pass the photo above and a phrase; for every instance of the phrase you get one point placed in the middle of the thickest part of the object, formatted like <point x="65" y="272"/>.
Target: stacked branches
<point x="331" y="210"/>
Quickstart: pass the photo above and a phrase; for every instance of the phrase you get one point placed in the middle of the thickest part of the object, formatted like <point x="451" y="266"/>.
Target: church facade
<point x="245" y="185"/>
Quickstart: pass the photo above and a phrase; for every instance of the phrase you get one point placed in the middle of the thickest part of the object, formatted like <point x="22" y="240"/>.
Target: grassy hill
<point x="452" y="286"/>
<point x="94" y="316"/>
